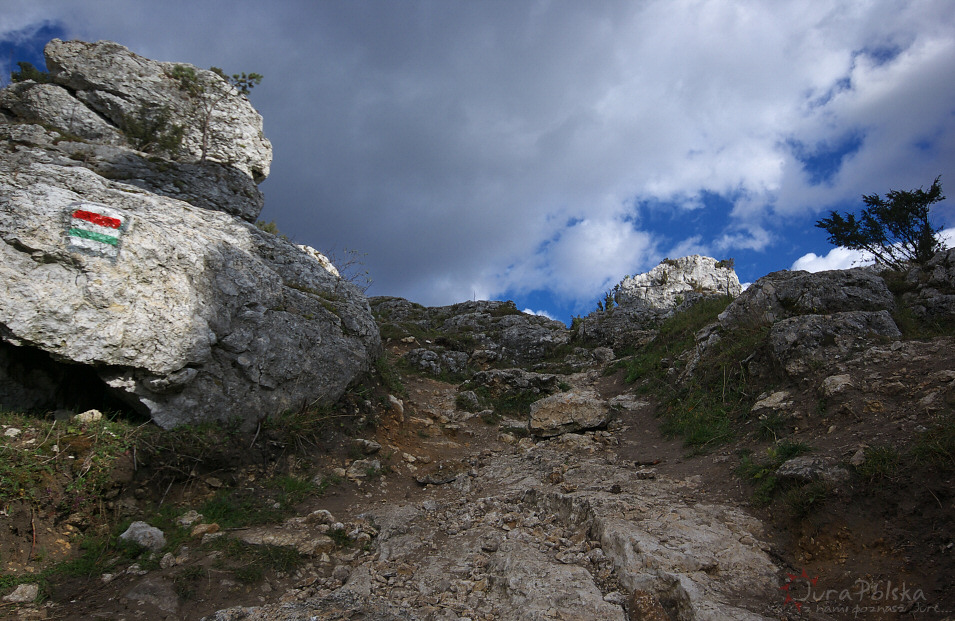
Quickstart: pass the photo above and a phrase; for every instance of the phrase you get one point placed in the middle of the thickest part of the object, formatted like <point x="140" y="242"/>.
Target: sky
<point x="542" y="150"/>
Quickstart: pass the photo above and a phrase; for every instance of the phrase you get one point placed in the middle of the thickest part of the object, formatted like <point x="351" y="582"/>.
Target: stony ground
<point x="444" y="516"/>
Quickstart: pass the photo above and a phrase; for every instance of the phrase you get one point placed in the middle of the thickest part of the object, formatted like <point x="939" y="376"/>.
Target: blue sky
<point x="541" y="151"/>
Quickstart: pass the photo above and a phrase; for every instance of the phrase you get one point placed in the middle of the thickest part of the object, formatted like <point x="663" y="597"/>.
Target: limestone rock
<point x="157" y="592"/>
<point x="806" y="469"/>
<point x="530" y="584"/>
<point x="362" y="468"/>
<point x="667" y="284"/>
<point x="115" y="83"/>
<point x="208" y="184"/>
<point x="784" y="294"/>
<point x="510" y="547"/>
<point x="645" y="300"/>
<point x="834" y="384"/>
<point x="185" y="314"/>
<point x="501" y="381"/>
<point x="932" y="294"/>
<point x="438" y="360"/>
<point x="144" y="535"/>
<point x="55" y="106"/>
<point x="470" y="333"/>
<point x="799" y="343"/>
<point x="568" y="412"/>
<point x="777" y="401"/>
<point x="23" y="593"/>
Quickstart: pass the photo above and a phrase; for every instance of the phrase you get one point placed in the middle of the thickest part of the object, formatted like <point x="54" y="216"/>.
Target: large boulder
<point x="125" y="275"/>
<point x="568" y="412"/>
<point x="800" y="344"/>
<point x="784" y="294"/>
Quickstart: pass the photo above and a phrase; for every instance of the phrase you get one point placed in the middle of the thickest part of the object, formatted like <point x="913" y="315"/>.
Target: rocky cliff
<point x="141" y="269"/>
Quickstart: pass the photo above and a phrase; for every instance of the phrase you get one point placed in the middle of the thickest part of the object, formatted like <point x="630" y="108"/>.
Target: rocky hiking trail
<point x="580" y="526"/>
<point x="451" y="518"/>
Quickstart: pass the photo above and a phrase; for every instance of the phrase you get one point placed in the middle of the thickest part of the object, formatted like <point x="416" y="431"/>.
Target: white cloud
<point x="540" y="313"/>
<point x="836" y="259"/>
<point x="840" y="258"/>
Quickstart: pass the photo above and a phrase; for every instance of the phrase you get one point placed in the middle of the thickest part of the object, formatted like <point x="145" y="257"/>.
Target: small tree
<point x="29" y="72"/>
<point x="206" y="95"/>
<point x="895" y="230"/>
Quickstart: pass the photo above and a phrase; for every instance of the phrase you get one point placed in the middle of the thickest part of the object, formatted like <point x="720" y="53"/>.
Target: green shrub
<point x="150" y="130"/>
<point x="28" y="72"/>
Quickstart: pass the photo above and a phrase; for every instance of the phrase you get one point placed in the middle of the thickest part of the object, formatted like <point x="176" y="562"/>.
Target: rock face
<point x="786" y="294"/>
<point x="115" y="84"/>
<point x="186" y="313"/>
<point x="815" y="320"/>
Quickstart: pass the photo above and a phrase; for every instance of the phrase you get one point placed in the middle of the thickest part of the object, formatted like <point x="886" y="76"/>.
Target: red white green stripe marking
<point x="95" y="228"/>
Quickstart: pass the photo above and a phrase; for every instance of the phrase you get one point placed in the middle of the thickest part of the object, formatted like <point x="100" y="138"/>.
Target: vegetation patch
<point x="761" y="473"/>
<point x="723" y="391"/>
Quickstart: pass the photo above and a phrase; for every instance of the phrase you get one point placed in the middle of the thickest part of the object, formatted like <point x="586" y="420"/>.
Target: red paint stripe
<point x="99" y="219"/>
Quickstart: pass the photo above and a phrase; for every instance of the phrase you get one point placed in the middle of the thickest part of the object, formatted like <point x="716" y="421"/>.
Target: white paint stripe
<point x="86" y="225"/>
<point x="95" y="246"/>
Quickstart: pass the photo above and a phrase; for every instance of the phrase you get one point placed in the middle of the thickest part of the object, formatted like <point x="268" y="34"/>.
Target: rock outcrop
<point x="107" y="109"/>
<point x="148" y="284"/>
<point x="814" y="320"/>
<point x="546" y="533"/>
<point x="452" y="339"/>
<point x="644" y="300"/>
<point x="667" y="285"/>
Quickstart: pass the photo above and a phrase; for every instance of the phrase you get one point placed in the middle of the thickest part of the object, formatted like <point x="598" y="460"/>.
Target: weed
<point x="935" y="448"/>
<point x="250" y="562"/>
<point x="66" y="462"/>
<point x="185" y="581"/>
<point x="769" y="427"/>
<point x="762" y="474"/>
<point x="236" y="508"/>
<point x="293" y="489"/>
<point x="698" y="421"/>
<point x="340" y="537"/>
<point x="802" y="500"/>
<point x="389" y="376"/>
<point x="881" y="462"/>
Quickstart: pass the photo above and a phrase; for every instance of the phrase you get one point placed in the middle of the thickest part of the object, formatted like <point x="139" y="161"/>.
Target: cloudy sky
<point x="540" y="151"/>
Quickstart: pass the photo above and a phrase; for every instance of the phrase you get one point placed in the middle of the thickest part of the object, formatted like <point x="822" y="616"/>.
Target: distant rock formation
<point x="644" y="300"/>
<point x="140" y="273"/>
<point x="667" y="285"/>
<point x="449" y="339"/>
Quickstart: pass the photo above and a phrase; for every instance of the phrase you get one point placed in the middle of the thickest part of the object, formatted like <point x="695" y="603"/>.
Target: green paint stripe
<point x="106" y="239"/>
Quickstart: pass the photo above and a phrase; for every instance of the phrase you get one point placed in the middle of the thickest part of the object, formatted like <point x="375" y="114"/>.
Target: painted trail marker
<point x="96" y="228"/>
